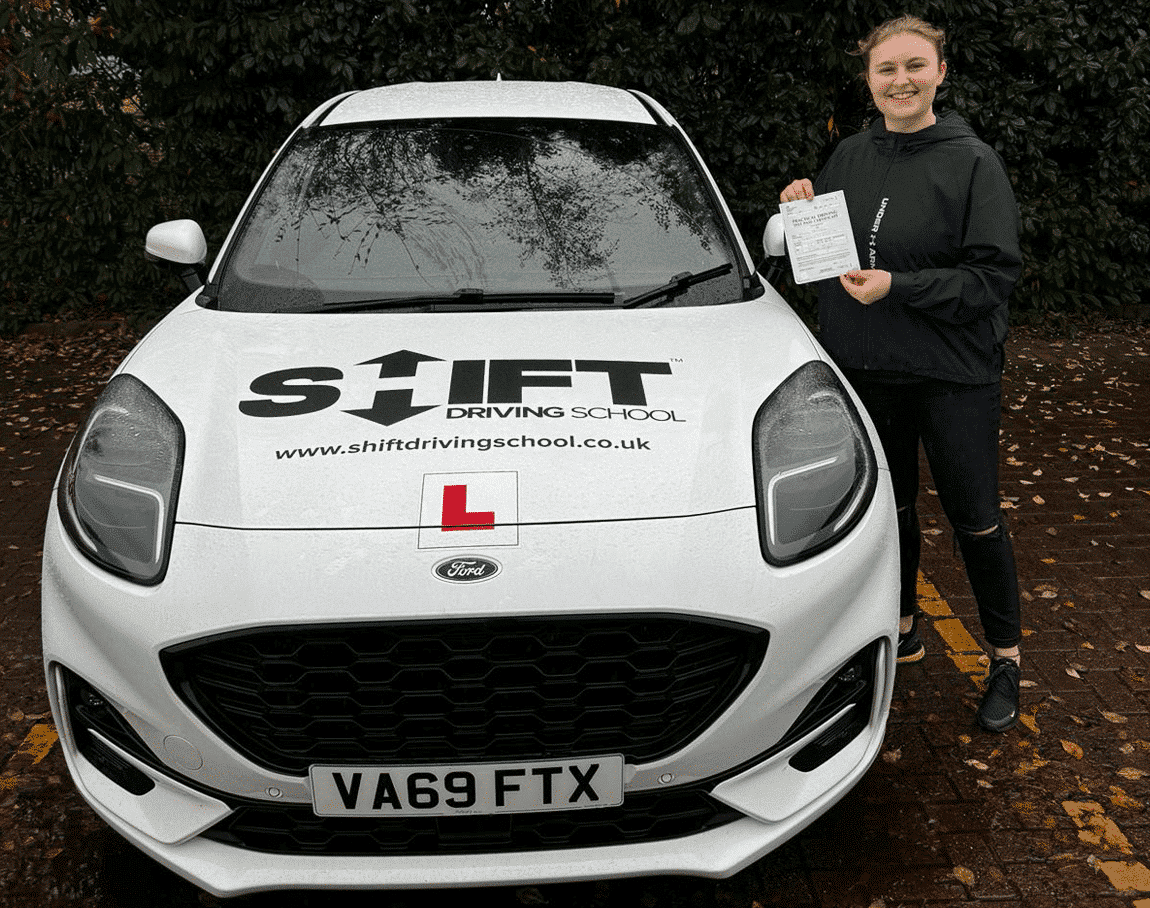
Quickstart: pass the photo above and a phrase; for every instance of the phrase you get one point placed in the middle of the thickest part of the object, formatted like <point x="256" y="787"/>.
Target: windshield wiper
<point x="472" y="298"/>
<point x="676" y="285"/>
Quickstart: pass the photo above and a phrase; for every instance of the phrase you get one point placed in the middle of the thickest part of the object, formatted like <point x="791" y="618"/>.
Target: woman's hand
<point x="799" y="189"/>
<point x="866" y="286"/>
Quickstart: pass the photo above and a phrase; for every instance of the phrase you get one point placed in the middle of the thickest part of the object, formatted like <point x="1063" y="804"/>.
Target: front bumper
<point x="819" y="615"/>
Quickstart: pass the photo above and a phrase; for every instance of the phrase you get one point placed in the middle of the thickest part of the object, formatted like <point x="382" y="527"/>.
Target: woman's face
<point x="903" y="75"/>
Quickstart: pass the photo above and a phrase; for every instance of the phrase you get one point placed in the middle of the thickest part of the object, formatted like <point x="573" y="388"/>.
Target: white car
<point x="484" y="519"/>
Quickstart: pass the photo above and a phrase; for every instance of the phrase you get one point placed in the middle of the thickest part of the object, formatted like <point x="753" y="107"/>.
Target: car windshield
<point x="481" y="212"/>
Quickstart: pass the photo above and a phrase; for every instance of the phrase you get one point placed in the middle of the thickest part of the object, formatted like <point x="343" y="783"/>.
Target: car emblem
<point x="466" y="569"/>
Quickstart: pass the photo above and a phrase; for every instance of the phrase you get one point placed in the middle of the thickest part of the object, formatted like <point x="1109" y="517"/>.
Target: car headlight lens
<point x="815" y="470"/>
<point x="120" y="479"/>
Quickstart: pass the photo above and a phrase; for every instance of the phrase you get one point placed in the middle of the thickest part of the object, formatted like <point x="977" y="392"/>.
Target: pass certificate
<point x="819" y="237"/>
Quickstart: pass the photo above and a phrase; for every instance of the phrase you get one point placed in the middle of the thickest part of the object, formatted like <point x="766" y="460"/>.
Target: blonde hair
<point x="903" y="25"/>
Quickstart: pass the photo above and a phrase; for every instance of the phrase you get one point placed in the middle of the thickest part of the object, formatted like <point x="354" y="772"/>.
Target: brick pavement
<point x="1051" y="815"/>
<point x="1055" y="812"/>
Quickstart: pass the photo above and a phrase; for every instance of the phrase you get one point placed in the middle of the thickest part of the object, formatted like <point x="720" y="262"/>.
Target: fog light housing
<point x="94" y="722"/>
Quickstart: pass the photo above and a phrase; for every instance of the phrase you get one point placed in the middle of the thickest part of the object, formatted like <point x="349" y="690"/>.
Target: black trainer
<point x="910" y="648"/>
<point x="999" y="708"/>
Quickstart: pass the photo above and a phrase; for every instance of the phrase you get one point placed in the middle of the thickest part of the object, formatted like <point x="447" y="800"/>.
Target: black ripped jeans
<point x="958" y="427"/>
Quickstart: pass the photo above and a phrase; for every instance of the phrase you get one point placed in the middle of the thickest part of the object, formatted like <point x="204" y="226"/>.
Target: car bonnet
<point x="467" y="421"/>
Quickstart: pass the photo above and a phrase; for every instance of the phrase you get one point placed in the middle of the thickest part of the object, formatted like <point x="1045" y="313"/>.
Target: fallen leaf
<point x="1119" y="798"/>
<point x="891" y="756"/>
<point x="1073" y="749"/>
<point x="1038" y="499"/>
<point x="964" y="875"/>
<point x="1114" y="717"/>
<point x="1129" y="772"/>
<point x="1145" y="594"/>
<point x="1073" y="674"/>
<point x="977" y="764"/>
<point x="1030" y="765"/>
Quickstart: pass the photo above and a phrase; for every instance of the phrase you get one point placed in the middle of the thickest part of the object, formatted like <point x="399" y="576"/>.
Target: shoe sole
<point x="1006" y="726"/>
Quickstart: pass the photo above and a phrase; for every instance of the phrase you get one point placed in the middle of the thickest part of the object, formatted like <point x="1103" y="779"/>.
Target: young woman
<point x="919" y="330"/>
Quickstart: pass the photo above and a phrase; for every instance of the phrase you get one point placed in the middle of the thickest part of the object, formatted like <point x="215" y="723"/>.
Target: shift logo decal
<point x="465" y="510"/>
<point x="466" y="389"/>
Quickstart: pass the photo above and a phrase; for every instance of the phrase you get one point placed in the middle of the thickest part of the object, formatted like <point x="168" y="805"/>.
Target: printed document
<point x="819" y="237"/>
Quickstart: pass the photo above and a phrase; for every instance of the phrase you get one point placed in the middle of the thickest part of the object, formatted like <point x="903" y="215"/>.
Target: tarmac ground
<point x="1052" y="814"/>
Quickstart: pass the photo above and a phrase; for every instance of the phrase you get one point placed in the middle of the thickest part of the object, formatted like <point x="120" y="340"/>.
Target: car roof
<point x="519" y="100"/>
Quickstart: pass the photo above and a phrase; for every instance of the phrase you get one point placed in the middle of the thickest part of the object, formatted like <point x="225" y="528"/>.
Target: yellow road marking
<point x="38" y="742"/>
<point x="1127" y="876"/>
<point x="961" y="647"/>
<point x="1094" y="827"/>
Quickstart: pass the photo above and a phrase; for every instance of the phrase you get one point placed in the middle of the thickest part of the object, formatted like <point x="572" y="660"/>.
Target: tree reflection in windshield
<point x="500" y="206"/>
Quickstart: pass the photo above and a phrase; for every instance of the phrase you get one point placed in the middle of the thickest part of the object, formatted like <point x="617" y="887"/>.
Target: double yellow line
<point x="1094" y="827"/>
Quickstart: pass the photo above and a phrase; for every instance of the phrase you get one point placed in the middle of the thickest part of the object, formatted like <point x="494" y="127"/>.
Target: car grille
<point x="465" y="691"/>
<point x="644" y="817"/>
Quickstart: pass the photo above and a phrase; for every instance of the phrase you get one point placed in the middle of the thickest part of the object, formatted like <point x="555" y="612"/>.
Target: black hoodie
<point x="935" y="209"/>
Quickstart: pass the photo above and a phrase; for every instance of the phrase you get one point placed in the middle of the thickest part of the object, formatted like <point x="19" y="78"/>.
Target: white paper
<point x="820" y="241"/>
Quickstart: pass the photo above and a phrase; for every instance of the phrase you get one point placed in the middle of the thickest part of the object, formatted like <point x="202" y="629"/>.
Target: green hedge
<point x="121" y="114"/>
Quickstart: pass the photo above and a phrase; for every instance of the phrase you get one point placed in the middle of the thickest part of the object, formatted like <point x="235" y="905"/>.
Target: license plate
<point x="481" y="788"/>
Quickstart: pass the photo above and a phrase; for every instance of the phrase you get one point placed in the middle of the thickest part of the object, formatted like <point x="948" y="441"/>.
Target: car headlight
<point x="815" y="469"/>
<point x="120" y="479"/>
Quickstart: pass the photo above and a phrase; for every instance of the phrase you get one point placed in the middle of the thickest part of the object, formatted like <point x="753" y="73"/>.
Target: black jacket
<point x="935" y="209"/>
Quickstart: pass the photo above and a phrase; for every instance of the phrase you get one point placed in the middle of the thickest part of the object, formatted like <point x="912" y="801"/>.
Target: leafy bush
<point x="119" y="114"/>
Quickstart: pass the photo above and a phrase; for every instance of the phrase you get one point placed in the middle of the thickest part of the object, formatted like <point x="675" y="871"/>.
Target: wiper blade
<point x="676" y="285"/>
<point x="472" y="298"/>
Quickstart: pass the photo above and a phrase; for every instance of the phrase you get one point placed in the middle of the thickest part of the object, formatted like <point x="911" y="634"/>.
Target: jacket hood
<point x="947" y="127"/>
<point x="394" y="420"/>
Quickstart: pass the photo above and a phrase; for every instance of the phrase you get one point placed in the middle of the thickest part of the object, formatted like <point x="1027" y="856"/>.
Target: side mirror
<point x="775" y="246"/>
<point x="775" y="237"/>
<point x="181" y="244"/>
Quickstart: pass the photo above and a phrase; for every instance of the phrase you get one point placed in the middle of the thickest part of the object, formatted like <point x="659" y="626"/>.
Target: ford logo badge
<point x="467" y="569"/>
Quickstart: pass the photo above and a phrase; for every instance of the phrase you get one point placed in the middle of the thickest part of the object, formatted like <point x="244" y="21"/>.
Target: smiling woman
<point x="903" y="72"/>
<point x="920" y="331"/>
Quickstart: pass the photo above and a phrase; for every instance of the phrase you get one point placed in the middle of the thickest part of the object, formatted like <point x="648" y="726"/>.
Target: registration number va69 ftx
<point x="482" y="788"/>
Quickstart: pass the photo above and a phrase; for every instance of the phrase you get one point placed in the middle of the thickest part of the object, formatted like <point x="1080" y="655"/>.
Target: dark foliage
<point x="118" y="114"/>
